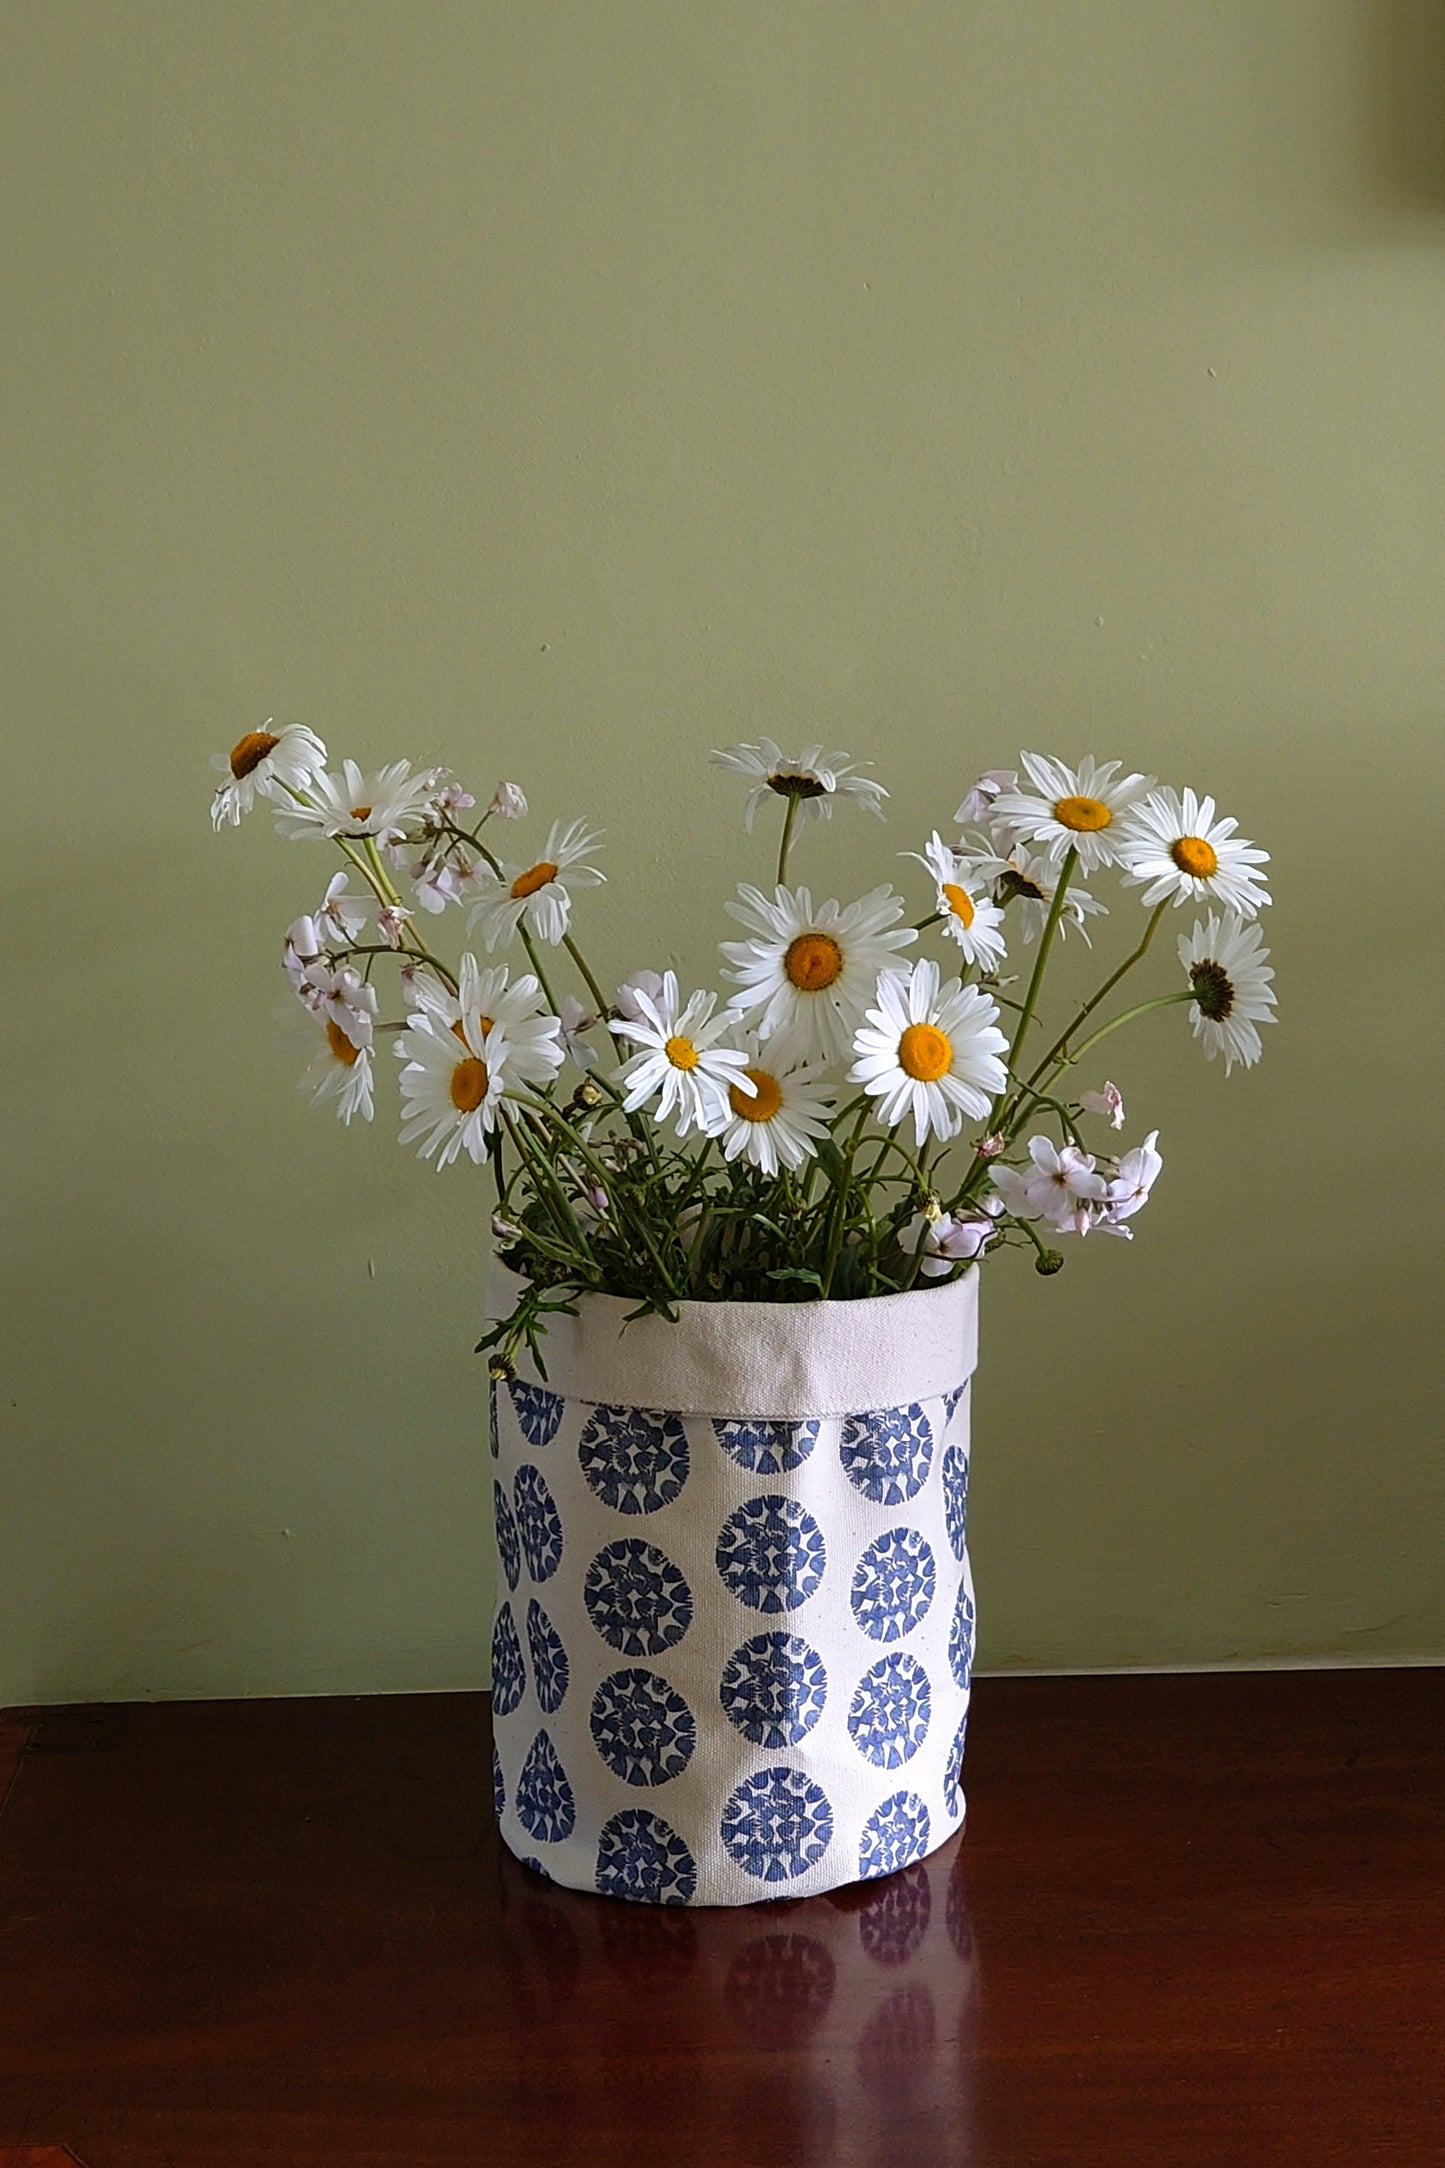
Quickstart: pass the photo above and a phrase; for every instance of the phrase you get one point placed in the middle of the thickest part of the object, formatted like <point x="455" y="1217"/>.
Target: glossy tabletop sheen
<point x="1191" y="1920"/>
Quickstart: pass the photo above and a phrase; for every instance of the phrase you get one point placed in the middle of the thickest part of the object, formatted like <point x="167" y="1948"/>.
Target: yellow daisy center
<point x="248" y="753"/>
<point x="469" y="1085"/>
<point x="765" y="1102"/>
<point x="339" y="1044"/>
<point x="1191" y="854"/>
<point x="959" y="902"/>
<point x="681" y="1053"/>
<point x="528" y="883"/>
<point x="925" y="1053"/>
<point x="1084" y="815"/>
<point x="813" y="962"/>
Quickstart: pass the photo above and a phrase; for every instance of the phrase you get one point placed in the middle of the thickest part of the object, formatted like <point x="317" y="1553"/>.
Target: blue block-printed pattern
<point x="493" y="1439"/>
<point x="636" y="1598"/>
<point x="766" y="1448"/>
<point x="550" y="1670"/>
<point x="960" y="1640"/>
<point x="771" y="1553"/>
<point x="545" y="1806"/>
<point x="642" y="1858"/>
<point x="894" y="1835"/>
<point x="539" y="1412"/>
<point x="499" y="1785"/>
<point x="888" y="1719"/>
<point x="887" y="1453"/>
<point x="774" y="1688"/>
<point x="634" y="1459"/>
<point x="893" y="1584"/>
<point x="953" y="1774"/>
<point x="777" y="1824"/>
<point x="955" y="1496"/>
<point x="509" y="1675"/>
<point x="538" y="1523"/>
<point x="645" y="1731"/>
<point x="509" y="1546"/>
<point x="950" y="1403"/>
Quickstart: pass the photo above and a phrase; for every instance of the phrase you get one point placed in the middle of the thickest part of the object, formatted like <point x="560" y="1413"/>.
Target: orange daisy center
<point x="1084" y="815"/>
<point x="813" y="962"/>
<point x="528" y="883"/>
<point x="469" y="1085"/>
<point x="248" y="753"/>
<point x="681" y="1053"/>
<point x="1192" y="854"/>
<point x="959" y="902"/>
<point x="765" y="1102"/>
<point x="925" y="1053"/>
<point x="339" y="1044"/>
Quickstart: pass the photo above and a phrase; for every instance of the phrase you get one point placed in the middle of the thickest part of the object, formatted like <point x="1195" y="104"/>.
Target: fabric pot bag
<point x="734" y="1629"/>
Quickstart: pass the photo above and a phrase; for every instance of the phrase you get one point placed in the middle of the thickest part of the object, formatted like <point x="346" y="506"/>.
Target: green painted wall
<point x="558" y="391"/>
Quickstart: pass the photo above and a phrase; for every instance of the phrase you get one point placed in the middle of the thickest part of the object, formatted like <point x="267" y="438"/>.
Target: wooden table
<point x="1192" y="1920"/>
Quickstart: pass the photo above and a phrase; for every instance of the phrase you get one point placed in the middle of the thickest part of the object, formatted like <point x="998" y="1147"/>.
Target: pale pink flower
<point x="1109" y="1102"/>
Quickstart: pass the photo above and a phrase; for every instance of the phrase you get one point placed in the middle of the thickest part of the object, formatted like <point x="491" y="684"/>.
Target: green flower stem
<point x="1093" y="1002"/>
<point x="606" y="1180"/>
<point x="788" y="819"/>
<point x="840" y="1204"/>
<point x="1125" y="1016"/>
<point x="552" y="1192"/>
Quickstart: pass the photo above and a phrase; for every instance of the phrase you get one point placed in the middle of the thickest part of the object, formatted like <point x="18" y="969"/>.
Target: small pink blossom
<point x="948" y="1240"/>
<point x="980" y="800"/>
<point x="508" y="802"/>
<point x="390" y="920"/>
<point x="640" y="982"/>
<point x="1109" y="1102"/>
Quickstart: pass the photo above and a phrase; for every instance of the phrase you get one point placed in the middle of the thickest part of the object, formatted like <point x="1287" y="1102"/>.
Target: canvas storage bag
<point x="734" y="1628"/>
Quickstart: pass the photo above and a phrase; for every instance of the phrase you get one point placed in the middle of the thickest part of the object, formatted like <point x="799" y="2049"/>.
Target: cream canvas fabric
<point x="734" y="1632"/>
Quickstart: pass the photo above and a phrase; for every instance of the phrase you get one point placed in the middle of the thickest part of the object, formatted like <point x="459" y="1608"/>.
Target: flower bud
<point x="1048" y="1263"/>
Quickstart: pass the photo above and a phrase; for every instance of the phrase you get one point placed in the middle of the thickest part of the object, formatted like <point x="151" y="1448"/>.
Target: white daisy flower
<point x="484" y="1004"/>
<point x="778" y="1123"/>
<point x="679" y="1061"/>
<point x="1030" y="879"/>
<point x="964" y="899"/>
<point x="980" y="801"/>
<point x="930" y="1051"/>
<point x="388" y="806"/>
<point x="538" y="893"/>
<point x="811" y="782"/>
<point x="1062" y="1186"/>
<point x="1230" y="973"/>
<point x="1174" y="847"/>
<point x="1109" y="1102"/>
<point x="806" y="976"/>
<point x="1079" y="807"/>
<point x="464" y="1051"/>
<point x="1129" y="1188"/>
<point x="341" y="1071"/>
<point x="259" y="764"/>
<point x="949" y="1240"/>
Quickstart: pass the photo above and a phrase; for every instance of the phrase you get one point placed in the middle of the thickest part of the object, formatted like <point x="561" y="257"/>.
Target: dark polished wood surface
<point x="1191" y="1920"/>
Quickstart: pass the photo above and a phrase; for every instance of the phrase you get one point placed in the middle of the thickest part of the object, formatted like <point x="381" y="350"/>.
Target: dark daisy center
<point x="787" y="784"/>
<point x="1213" y="990"/>
<point x="1011" y="884"/>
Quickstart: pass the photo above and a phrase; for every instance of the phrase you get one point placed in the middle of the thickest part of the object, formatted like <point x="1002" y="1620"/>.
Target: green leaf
<point x="796" y="1272"/>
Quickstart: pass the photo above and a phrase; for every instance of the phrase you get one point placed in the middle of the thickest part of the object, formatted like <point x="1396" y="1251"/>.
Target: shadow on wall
<point x="1403" y="48"/>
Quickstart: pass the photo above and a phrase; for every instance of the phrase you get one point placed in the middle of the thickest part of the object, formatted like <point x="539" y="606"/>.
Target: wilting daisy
<point x="679" y="1061"/>
<point x="387" y="806"/>
<point x="1229" y="971"/>
<point x="965" y="901"/>
<point x="1062" y="1186"/>
<point x="1174" y="847"/>
<point x="930" y="1051"/>
<point x="539" y="894"/>
<point x="779" y="1121"/>
<point x="260" y="763"/>
<point x="340" y="1071"/>
<point x="811" y="782"/>
<point x="806" y="976"/>
<point x="949" y="1240"/>
<point x="1030" y="879"/>
<point x="1079" y="806"/>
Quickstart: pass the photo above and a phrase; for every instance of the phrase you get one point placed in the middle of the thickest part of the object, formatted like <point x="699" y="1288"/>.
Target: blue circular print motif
<point x="538" y="1411"/>
<point x="509" y="1677"/>
<point x="887" y="1453"/>
<point x="765" y="1448"/>
<point x="771" y="1553"/>
<point x="777" y="1824"/>
<point x="636" y="1598"/>
<point x="893" y="1585"/>
<point x="634" y="1459"/>
<point x="509" y="1547"/>
<point x="894" y="1836"/>
<point x="950" y="1402"/>
<point x="643" y="1728"/>
<point x="960" y="1640"/>
<point x="890" y="1711"/>
<point x="549" y="1659"/>
<point x="639" y="1857"/>
<point x="953" y="1774"/>
<point x="538" y="1523"/>
<point x="955" y="1497"/>
<point x="773" y="1689"/>
<point x="499" y="1785"/>
<point x="545" y="1807"/>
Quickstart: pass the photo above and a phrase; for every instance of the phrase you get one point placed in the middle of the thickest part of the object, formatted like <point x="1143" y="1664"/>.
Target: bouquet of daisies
<point x="857" y="1114"/>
